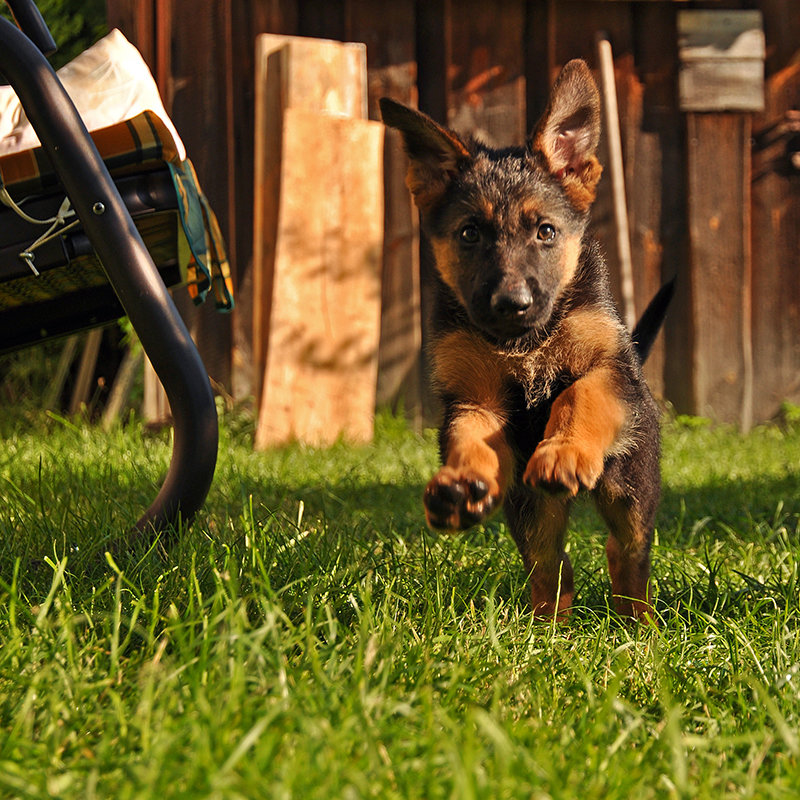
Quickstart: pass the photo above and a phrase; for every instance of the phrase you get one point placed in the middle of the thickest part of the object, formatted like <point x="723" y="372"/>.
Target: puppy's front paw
<point x="564" y="465"/>
<point x="457" y="500"/>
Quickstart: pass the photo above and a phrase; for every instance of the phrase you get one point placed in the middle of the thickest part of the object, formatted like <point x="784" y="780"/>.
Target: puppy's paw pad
<point x="454" y="501"/>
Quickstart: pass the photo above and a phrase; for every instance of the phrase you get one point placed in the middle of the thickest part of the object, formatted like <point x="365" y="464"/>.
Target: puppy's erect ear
<point x="434" y="152"/>
<point x="568" y="133"/>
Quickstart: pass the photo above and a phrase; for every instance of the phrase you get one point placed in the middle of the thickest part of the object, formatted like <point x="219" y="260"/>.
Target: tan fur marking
<point x="589" y="337"/>
<point x="581" y="189"/>
<point x="582" y="341"/>
<point x="568" y="133"/>
<point x="486" y="207"/>
<point x="628" y="558"/>
<point x="478" y="455"/>
<point x="427" y="185"/>
<point x="477" y="446"/>
<point x="430" y="172"/>
<point x="531" y="209"/>
<point x="542" y="551"/>
<point x="469" y="368"/>
<point x="584" y="424"/>
<point x="589" y="410"/>
<point x="569" y="262"/>
<point x="447" y="265"/>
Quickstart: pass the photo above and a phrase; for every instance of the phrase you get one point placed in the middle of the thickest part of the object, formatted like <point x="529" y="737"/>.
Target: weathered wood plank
<point x="135" y="19"/>
<point x="185" y="60"/>
<point x="656" y="180"/>
<point x="194" y="62"/>
<point x="88" y="362"/>
<point x="776" y="241"/>
<point x="722" y="60"/>
<point x="321" y="370"/>
<point x="720" y="367"/>
<point x="486" y="79"/>
<point x="248" y="19"/>
<point x="291" y="72"/>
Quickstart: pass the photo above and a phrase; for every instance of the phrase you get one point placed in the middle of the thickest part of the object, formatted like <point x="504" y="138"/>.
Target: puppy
<point x="540" y="381"/>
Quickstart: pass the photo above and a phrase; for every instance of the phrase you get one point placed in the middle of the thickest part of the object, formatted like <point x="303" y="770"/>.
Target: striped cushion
<point x="122" y="146"/>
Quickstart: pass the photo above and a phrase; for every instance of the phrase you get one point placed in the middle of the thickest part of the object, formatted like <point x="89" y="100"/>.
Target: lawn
<point x="308" y="637"/>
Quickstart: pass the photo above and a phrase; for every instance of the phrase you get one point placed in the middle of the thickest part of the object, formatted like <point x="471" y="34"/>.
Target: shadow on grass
<point x="358" y="524"/>
<point x="701" y="533"/>
<point x="729" y="508"/>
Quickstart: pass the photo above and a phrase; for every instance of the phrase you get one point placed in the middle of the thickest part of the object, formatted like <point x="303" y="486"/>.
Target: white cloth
<point x="109" y="82"/>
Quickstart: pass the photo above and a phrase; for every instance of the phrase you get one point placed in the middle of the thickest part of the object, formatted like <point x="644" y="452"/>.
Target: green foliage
<point x="310" y="638"/>
<point x="789" y="413"/>
<point x="75" y="25"/>
<point x="691" y="422"/>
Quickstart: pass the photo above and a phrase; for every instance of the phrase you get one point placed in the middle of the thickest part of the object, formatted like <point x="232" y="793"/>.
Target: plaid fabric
<point x="124" y="147"/>
<point x="127" y="147"/>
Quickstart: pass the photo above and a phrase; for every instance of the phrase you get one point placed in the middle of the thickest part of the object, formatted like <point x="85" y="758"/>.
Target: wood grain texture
<point x="291" y="73"/>
<point x="388" y="31"/>
<point x="719" y="259"/>
<point x="322" y="346"/>
<point x="775" y="242"/>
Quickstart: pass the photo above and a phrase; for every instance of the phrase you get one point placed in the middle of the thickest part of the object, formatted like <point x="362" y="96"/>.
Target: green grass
<point x="310" y="638"/>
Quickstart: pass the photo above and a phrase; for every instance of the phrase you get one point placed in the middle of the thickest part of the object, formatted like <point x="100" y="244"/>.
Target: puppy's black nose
<point x="512" y="301"/>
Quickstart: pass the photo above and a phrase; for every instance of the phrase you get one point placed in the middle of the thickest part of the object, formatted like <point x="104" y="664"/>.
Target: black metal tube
<point x="131" y="273"/>
<point x="30" y="20"/>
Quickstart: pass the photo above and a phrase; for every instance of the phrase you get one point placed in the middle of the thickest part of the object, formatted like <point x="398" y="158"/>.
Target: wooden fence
<point x="713" y="195"/>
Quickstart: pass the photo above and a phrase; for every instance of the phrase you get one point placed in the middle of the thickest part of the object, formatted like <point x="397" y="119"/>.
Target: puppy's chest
<point x="534" y="378"/>
<point x="470" y="370"/>
<point x="531" y="385"/>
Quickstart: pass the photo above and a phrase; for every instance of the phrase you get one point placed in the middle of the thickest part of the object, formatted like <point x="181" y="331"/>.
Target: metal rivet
<point x="98" y="208"/>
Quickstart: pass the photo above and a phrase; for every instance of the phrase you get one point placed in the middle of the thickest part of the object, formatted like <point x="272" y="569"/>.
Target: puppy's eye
<point x="469" y="234"/>
<point x="546" y="232"/>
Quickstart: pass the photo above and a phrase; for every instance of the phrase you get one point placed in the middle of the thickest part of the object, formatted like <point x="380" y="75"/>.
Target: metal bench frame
<point x="127" y="263"/>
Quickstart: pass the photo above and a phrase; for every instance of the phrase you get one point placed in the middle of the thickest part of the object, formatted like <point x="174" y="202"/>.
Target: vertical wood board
<point x="721" y="55"/>
<point x="776" y="242"/>
<point x="317" y="74"/>
<point x="486" y="81"/>
<point x="320" y="376"/>
<point x="388" y="31"/>
<point x="718" y="206"/>
<point x="135" y="19"/>
<point x="291" y="73"/>
<point x="195" y="55"/>
<point x="248" y="18"/>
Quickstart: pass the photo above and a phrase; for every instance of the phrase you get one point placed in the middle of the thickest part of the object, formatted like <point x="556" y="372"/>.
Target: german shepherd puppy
<point x="541" y="382"/>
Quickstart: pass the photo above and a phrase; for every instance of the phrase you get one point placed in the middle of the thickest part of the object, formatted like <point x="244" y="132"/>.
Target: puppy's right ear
<point x="568" y="133"/>
<point x="435" y="153"/>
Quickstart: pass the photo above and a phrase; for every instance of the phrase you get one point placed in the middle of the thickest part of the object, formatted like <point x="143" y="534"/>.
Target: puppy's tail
<point x="649" y="324"/>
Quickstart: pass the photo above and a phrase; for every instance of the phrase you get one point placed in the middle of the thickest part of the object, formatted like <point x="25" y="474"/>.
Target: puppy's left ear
<point x="568" y="133"/>
<point x="435" y="153"/>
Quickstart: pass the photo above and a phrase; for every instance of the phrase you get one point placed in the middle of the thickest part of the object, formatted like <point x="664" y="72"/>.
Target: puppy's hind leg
<point x="538" y="523"/>
<point x="631" y="521"/>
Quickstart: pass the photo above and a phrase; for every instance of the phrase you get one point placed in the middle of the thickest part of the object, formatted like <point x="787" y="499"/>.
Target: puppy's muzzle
<point x="511" y="302"/>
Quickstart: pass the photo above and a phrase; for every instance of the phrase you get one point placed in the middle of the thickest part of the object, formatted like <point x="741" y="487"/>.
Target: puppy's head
<point x="506" y="225"/>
